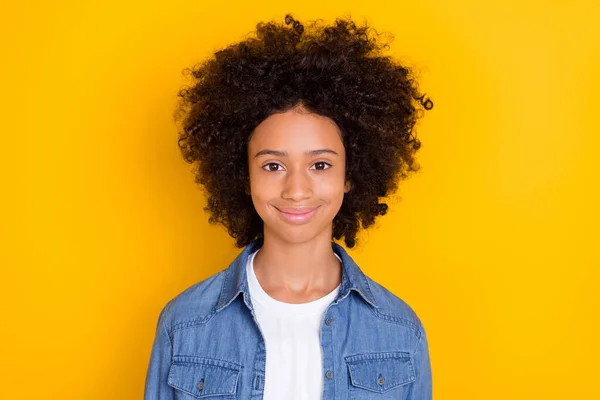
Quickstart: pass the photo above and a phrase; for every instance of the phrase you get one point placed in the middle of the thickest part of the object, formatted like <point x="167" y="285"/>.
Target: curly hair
<point x="336" y="71"/>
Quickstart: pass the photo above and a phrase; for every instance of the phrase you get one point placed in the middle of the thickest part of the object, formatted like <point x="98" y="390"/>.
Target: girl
<point x="296" y="135"/>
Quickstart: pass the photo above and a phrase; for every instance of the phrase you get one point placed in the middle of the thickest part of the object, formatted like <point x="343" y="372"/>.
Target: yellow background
<point x="494" y="243"/>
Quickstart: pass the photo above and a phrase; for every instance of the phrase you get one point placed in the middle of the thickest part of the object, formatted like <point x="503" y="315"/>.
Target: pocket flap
<point x="201" y="376"/>
<point x="380" y="372"/>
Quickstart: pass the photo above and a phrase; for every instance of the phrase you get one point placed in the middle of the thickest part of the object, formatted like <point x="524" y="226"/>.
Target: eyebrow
<point x="285" y="154"/>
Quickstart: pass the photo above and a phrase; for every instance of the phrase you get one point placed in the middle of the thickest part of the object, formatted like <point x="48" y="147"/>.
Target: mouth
<point x="296" y="216"/>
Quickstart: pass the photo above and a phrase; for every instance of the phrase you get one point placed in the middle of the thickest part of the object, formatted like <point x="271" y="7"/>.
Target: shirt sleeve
<point x="421" y="389"/>
<point x="156" y="387"/>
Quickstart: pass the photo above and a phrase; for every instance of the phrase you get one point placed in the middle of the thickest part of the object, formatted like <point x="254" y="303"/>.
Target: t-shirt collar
<point x="236" y="282"/>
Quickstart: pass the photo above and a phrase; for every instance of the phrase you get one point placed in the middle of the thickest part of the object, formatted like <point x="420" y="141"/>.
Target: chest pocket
<point x="382" y="376"/>
<point x="200" y="377"/>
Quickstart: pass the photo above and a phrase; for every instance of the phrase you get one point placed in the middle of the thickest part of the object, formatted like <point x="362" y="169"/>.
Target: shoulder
<point x="392" y="308"/>
<point x="194" y="305"/>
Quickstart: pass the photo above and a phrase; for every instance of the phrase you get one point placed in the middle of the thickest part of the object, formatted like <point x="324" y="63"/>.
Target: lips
<point x="297" y="215"/>
<point x="297" y="211"/>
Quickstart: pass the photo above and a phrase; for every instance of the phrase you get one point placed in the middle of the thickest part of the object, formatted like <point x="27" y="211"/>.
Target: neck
<point x="297" y="271"/>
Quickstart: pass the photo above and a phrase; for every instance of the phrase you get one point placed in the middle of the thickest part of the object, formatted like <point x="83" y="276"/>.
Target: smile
<point x="297" y="217"/>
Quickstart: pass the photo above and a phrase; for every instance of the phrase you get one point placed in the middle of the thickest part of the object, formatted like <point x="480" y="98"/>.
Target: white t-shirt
<point x="294" y="365"/>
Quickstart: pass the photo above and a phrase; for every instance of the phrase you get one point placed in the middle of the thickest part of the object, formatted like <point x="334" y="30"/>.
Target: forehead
<point x="296" y="130"/>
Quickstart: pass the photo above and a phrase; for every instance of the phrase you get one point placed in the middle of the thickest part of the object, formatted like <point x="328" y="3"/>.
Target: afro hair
<point x="337" y="71"/>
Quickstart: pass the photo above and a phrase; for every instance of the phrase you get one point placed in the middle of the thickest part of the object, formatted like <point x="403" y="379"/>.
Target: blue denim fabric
<point x="208" y="344"/>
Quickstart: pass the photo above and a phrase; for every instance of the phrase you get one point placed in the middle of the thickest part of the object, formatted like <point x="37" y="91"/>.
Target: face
<point x="297" y="174"/>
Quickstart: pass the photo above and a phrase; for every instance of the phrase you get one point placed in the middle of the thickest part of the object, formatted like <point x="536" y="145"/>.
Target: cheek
<point x="263" y="190"/>
<point x="332" y="196"/>
<point x="262" y="195"/>
<point x="333" y="186"/>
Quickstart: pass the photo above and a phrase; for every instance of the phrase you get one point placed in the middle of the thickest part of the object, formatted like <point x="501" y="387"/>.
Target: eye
<point x="268" y="169"/>
<point x="324" y="163"/>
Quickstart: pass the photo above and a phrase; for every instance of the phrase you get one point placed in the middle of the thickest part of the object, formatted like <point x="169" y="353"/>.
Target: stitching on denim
<point x="372" y="297"/>
<point x="419" y="338"/>
<point x="213" y="362"/>
<point x="369" y="358"/>
<point x="193" y="322"/>
<point x="332" y="336"/>
<point x="163" y="317"/>
<point x="172" y="381"/>
<point x="383" y="355"/>
<point x="396" y="320"/>
<point x="223" y="285"/>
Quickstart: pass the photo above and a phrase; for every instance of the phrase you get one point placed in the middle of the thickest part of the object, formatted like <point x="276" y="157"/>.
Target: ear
<point x="347" y="186"/>
<point x="247" y="188"/>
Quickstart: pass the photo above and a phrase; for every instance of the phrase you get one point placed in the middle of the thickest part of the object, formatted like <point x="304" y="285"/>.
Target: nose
<point x="297" y="186"/>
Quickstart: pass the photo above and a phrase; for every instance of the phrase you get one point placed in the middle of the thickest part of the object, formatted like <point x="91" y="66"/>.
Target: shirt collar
<point x="236" y="281"/>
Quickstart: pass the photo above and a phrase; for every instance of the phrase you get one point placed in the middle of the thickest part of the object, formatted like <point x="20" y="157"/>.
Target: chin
<point x="296" y="234"/>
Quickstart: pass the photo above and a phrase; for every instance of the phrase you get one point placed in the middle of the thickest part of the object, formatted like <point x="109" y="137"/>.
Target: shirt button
<point x="328" y="374"/>
<point x="380" y="380"/>
<point x="328" y="321"/>
<point x="201" y="385"/>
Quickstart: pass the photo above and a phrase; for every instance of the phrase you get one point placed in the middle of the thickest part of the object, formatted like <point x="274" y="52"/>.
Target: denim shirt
<point x="208" y="344"/>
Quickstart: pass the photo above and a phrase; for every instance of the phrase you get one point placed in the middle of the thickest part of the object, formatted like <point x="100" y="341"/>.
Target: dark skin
<point x="296" y="263"/>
